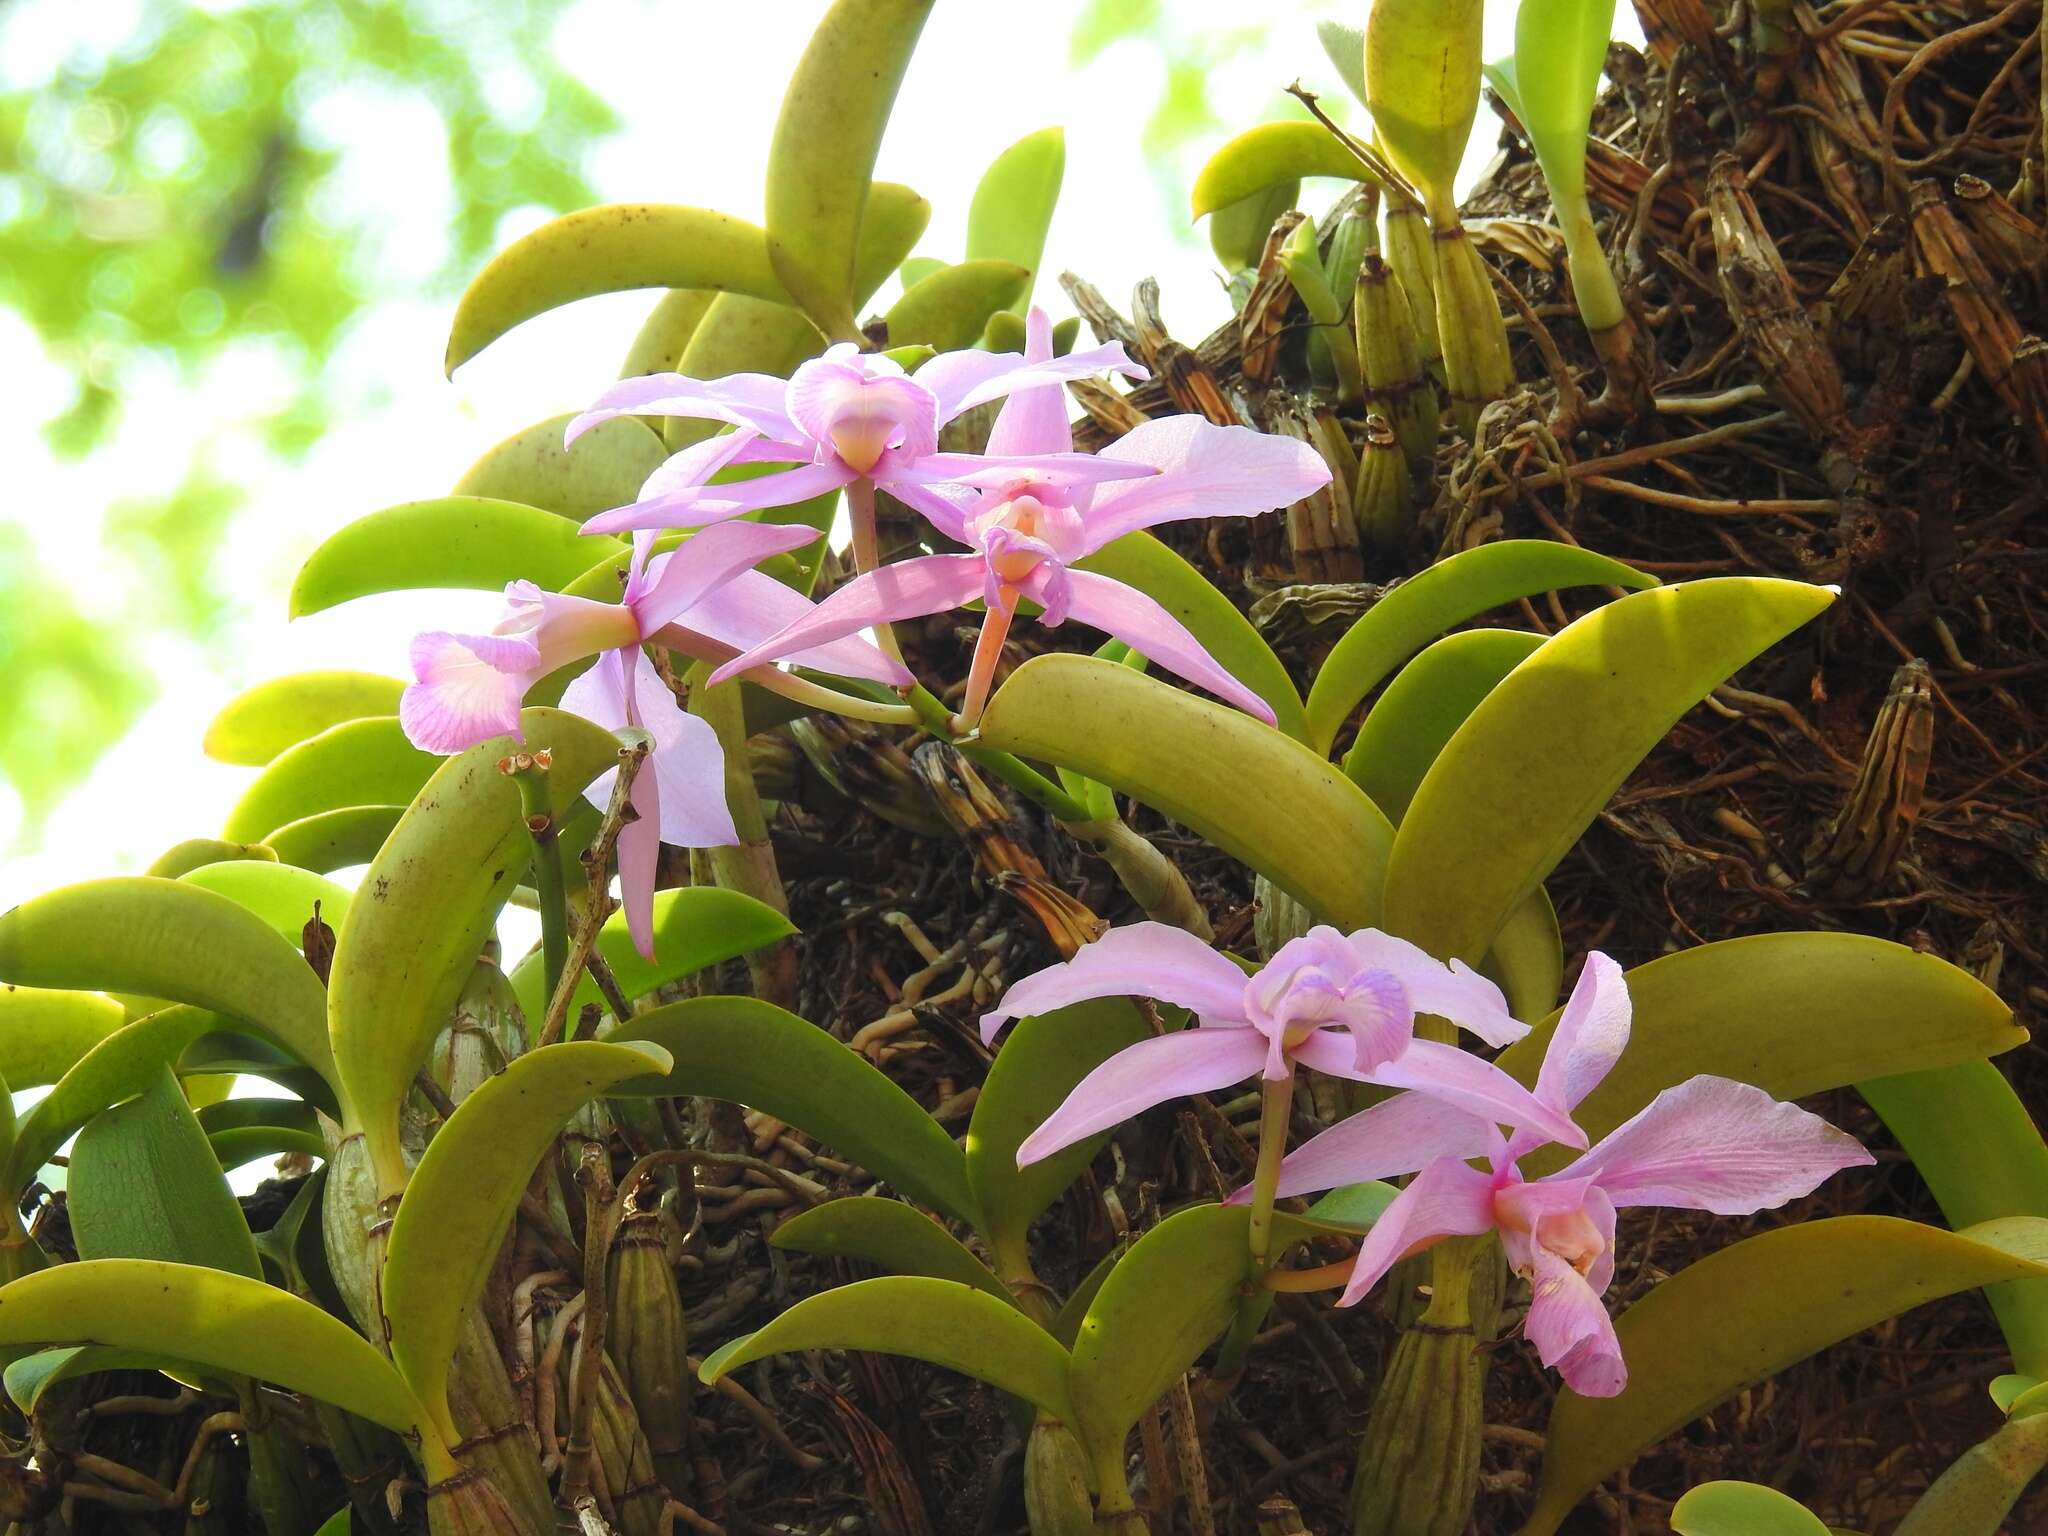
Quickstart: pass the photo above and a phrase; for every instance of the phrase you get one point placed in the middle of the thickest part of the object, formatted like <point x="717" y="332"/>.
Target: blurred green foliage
<point x="185" y="186"/>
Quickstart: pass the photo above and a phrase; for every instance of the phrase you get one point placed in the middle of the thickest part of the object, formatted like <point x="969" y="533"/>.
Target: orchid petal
<point x="1205" y="471"/>
<point x="989" y="471"/>
<point x="1109" y="358"/>
<point x="907" y="590"/>
<point x="1446" y="1199"/>
<point x="1592" y="1032"/>
<point x="638" y="850"/>
<point x="1127" y="614"/>
<point x="692" y="469"/>
<point x="1449" y="989"/>
<point x="717" y="503"/>
<point x="468" y="689"/>
<point x="1464" y="1081"/>
<point x="1154" y="960"/>
<point x="1142" y="1075"/>
<point x="741" y="399"/>
<point x="945" y="507"/>
<point x="1569" y="1325"/>
<point x="861" y="405"/>
<point x="753" y="607"/>
<point x="1713" y="1144"/>
<point x="707" y="561"/>
<point x="1033" y="420"/>
<point x="1395" y="1136"/>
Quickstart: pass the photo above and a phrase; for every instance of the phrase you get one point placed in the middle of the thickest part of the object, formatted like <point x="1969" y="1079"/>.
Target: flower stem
<point x="802" y="690"/>
<point x="867" y="552"/>
<point x="1256" y="1300"/>
<point x="988" y="649"/>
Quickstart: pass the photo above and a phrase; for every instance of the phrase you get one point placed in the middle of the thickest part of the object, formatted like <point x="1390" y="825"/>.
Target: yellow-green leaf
<point x="949" y="309"/>
<point x="605" y="469"/>
<point x="253" y="727"/>
<point x="606" y="250"/>
<point x="359" y="762"/>
<point x="666" y="331"/>
<point x="1270" y="155"/>
<point x="283" y="895"/>
<point x="1013" y="205"/>
<point x="452" y="541"/>
<point x="1424" y="706"/>
<point x="44" y="1031"/>
<point x="335" y="839"/>
<point x="890" y="1234"/>
<point x="1742" y="1509"/>
<point x="1422" y="87"/>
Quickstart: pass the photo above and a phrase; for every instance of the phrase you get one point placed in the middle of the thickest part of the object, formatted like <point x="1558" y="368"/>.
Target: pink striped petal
<point x="707" y="561"/>
<point x="467" y="689"/>
<point x="1446" y="1199"/>
<point x="1137" y="960"/>
<point x="1395" y="1136"/>
<point x="692" y="469"/>
<point x="1205" y="471"/>
<point x="717" y="503"/>
<point x="1126" y="614"/>
<point x="1110" y="358"/>
<point x="993" y="472"/>
<point x="741" y="399"/>
<point x="1592" y="1032"/>
<point x="753" y="607"/>
<point x="1449" y="989"/>
<point x="638" y="850"/>
<point x="1569" y="1325"/>
<point x="1033" y="420"/>
<point x="1450" y="1074"/>
<point x="1142" y="1075"/>
<point x="862" y="406"/>
<point x="1712" y="1144"/>
<point x="907" y="590"/>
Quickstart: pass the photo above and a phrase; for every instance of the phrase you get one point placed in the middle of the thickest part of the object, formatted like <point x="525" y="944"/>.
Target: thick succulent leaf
<point x="338" y="839"/>
<point x="1441" y="598"/>
<point x="604" y="469"/>
<point x="144" y="1184"/>
<point x="459" y="1203"/>
<point x="1700" y="1336"/>
<point x="695" y="927"/>
<point x="28" y="1378"/>
<point x="1270" y="155"/>
<point x="1422" y="88"/>
<point x="243" y="1130"/>
<point x="1168" y="1299"/>
<point x="195" y="851"/>
<point x="1560" y="49"/>
<point x="1308" y="829"/>
<point x="1142" y="561"/>
<point x="949" y="309"/>
<point x="283" y="895"/>
<point x="753" y="1053"/>
<point x="1977" y="1492"/>
<point x="1793" y="1013"/>
<point x="830" y="129"/>
<point x="253" y="727"/>
<point x="1238" y="231"/>
<point x="1042" y="1059"/>
<point x="890" y="1234"/>
<point x="957" y="1326"/>
<point x="45" y="1030"/>
<point x="1982" y="1156"/>
<point x="1742" y="1509"/>
<point x="609" y="249"/>
<point x="1533" y="764"/>
<point x="1345" y="48"/>
<point x="470" y="542"/>
<point x="359" y="762"/>
<point x="216" y="1320"/>
<point x="1013" y="205"/>
<point x="429" y="900"/>
<point x="168" y="939"/>
<point x="663" y="335"/>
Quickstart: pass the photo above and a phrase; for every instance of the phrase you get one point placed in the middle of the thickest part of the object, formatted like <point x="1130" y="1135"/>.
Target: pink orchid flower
<point x="1709" y="1144"/>
<point x="703" y="599"/>
<point x="1342" y="1005"/>
<point x="1027" y="526"/>
<point x="849" y="419"/>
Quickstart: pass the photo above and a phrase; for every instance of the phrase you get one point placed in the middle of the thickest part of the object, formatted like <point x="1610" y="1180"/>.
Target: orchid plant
<point x="474" y="1301"/>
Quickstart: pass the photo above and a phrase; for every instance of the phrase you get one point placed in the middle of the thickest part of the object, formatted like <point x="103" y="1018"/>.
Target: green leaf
<point x="243" y="1130"/>
<point x="605" y="468"/>
<point x="890" y="1234"/>
<point x="1742" y="1509"/>
<point x="253" y="727"/>
<point x="283" y="895"/>
<point x="28" y="1378"/>
<point x="695" y="927"/>
<point x="359" y="762"/>
<point x="340" y="1523"/>
<point x="1527" y="958"/>
<point x="667" y="331"/>
<point x="337" y="839"/>
<point x="1422" y="88"/>
<point x="1977" y="1492"/>
<point x="164" y="938"/>
<point x="1270" y="155"/>
<point x="1440" y="598"/>
<point x="916" y="269"/>
<point x="1307" y="829"/>
<point x="180" y="858"/>
<point x="44" y="1031"/>
<point x="1041" y="1059"/>
<point x="823" y="153"/>
<point x="1345" y="47"/>
<point x="1536" y="760"/>
<point x="1142" y="561"/>
<point x="608" y="250"/>
<point x="144" y="1184"/>
<point x="452" y="541"/>
<point x="1066" y="1323"/>
<point x="948" y="309"/>
<point x="217" y="1320"/>
<point x="1792" y="1013"/>
<point x="429" y="900"/>
<point x="1014" y="202"/>
<point x="1560" y="50"/>
<point x="1167" y="1300"/>
<point x="957" y="1326"/>
<point x="1700" y="1336"/>
<point x="459" y="1203"/>
<point x="1982" y="1156"/>
<point x="1423" y="707"/>
<point x="753" y="1053"/>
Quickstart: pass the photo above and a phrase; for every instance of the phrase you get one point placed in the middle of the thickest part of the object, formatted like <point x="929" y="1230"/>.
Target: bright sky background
<point x="696" y="84"/>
